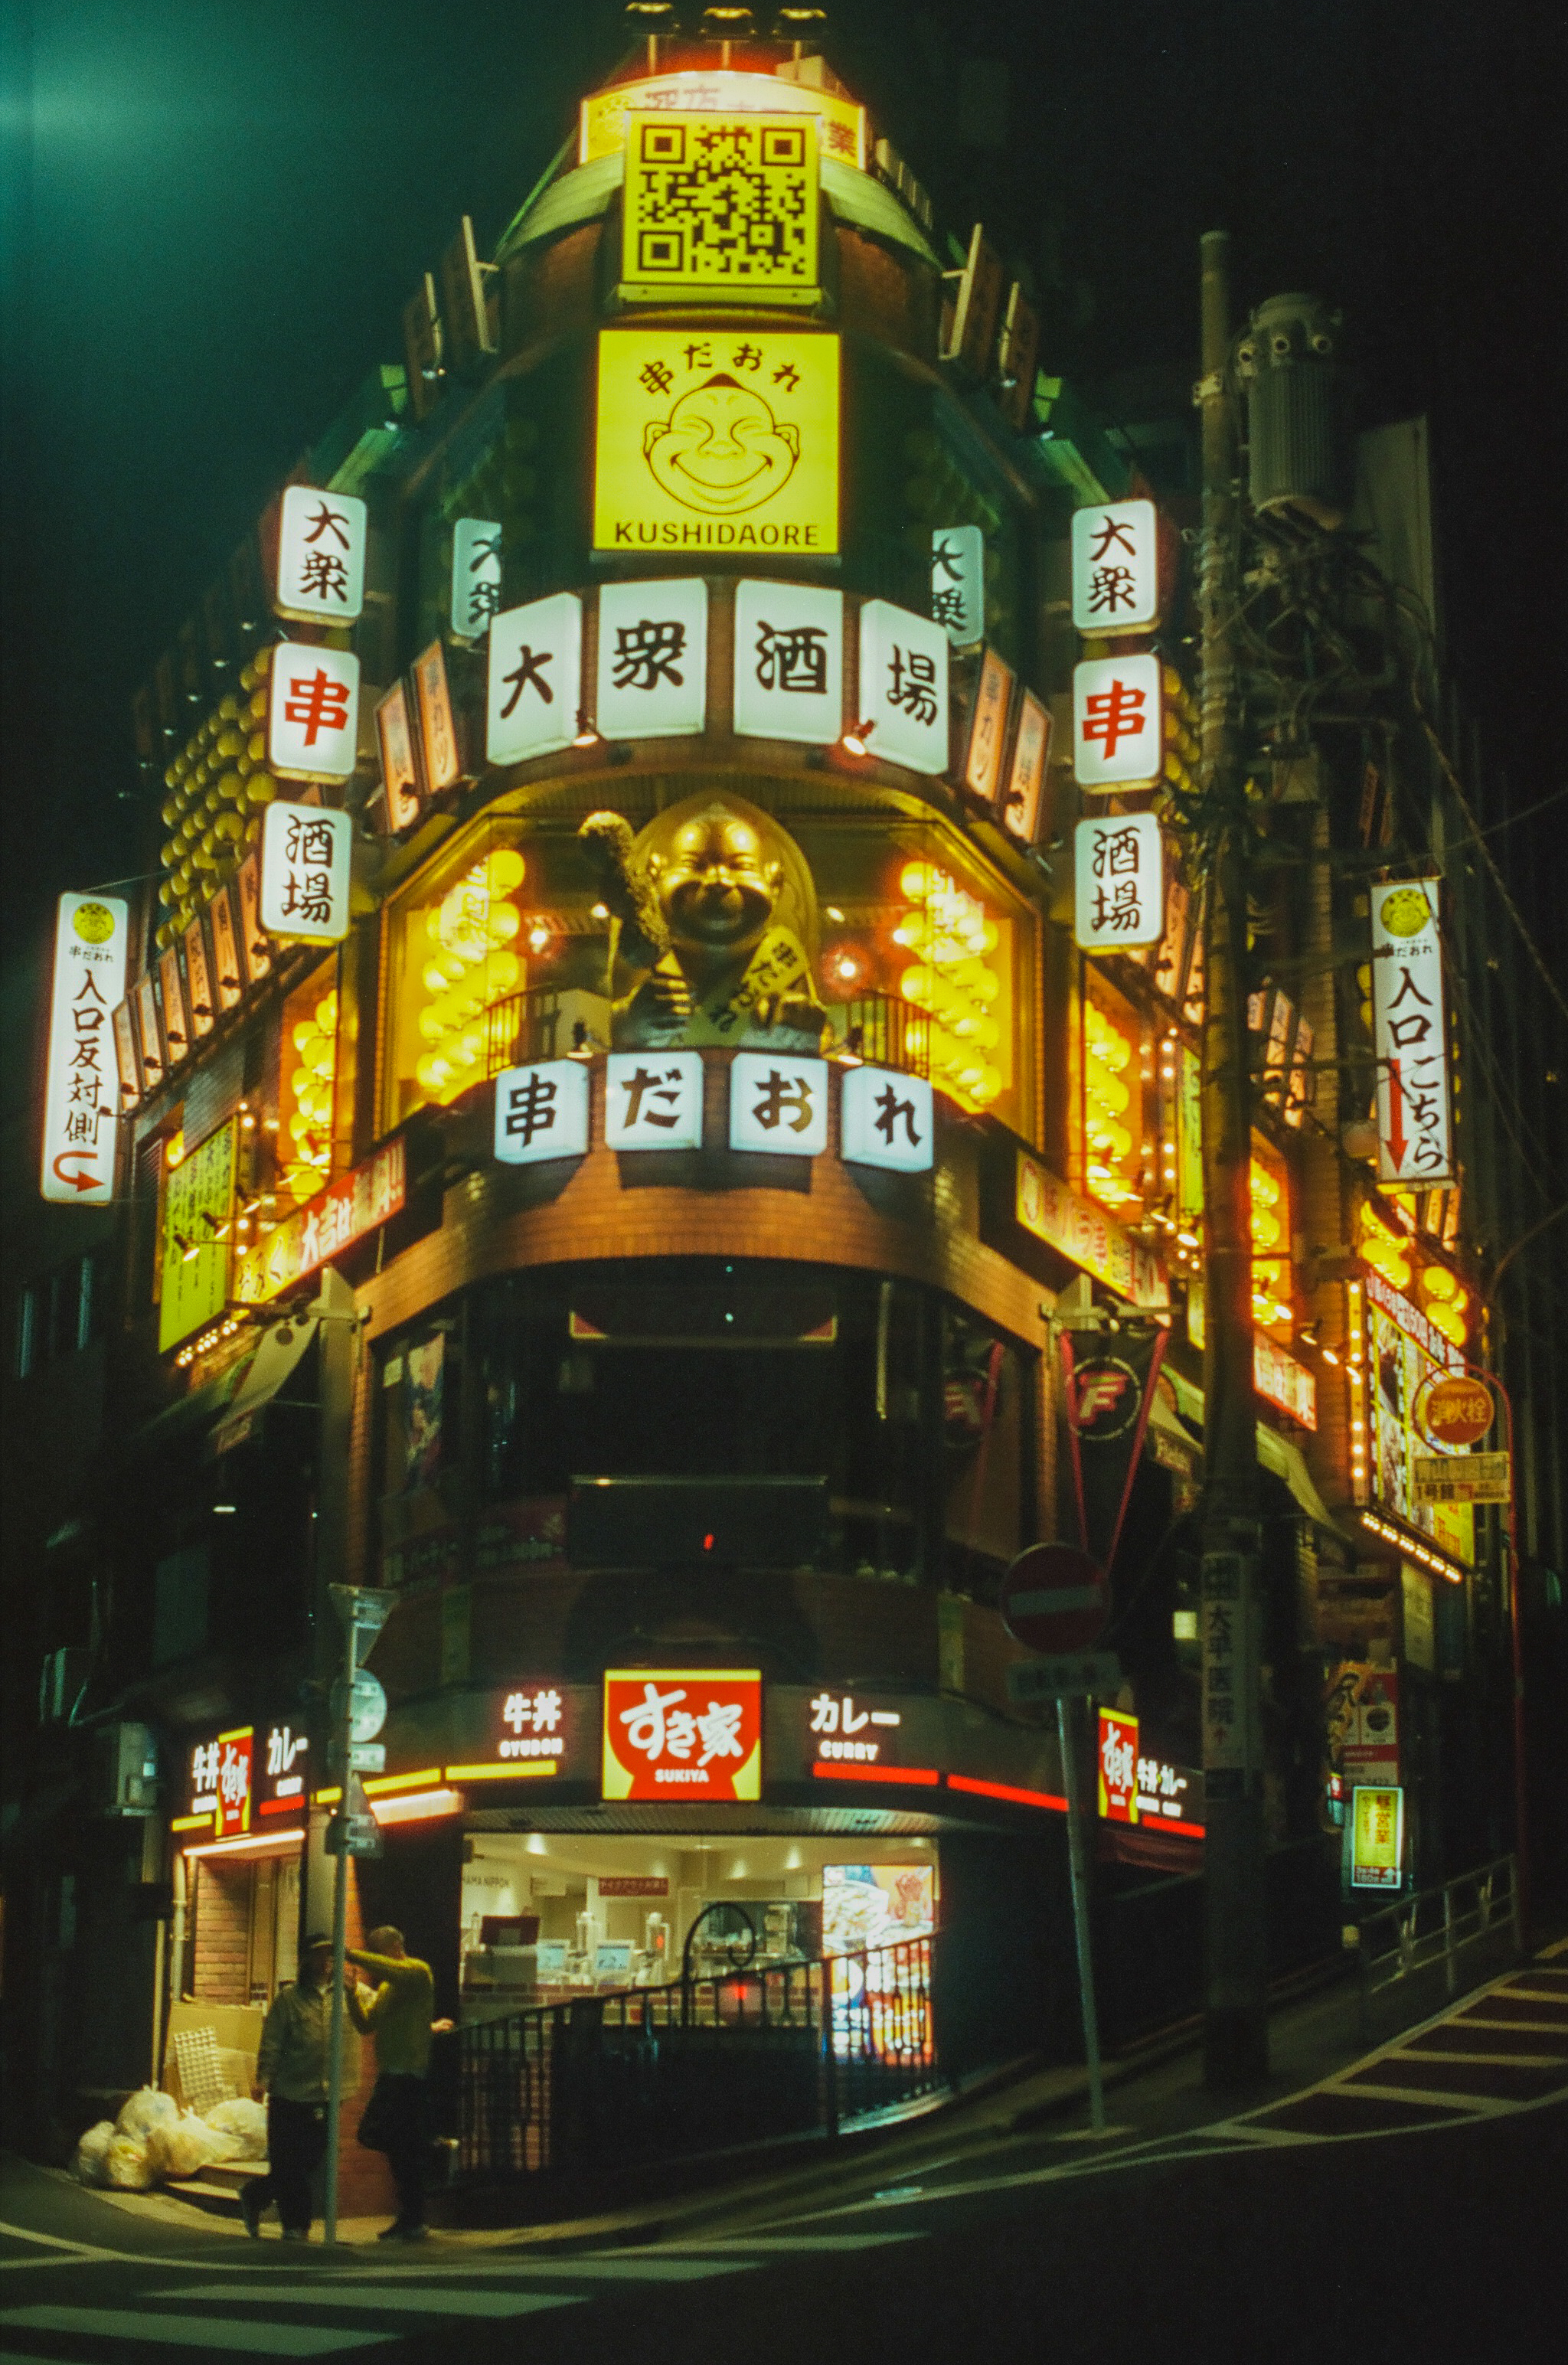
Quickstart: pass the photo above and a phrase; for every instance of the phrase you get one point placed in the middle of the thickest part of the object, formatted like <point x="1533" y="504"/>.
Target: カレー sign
<point x="324" y="1226"/>
<point x="312" y="712"/>
<point x="80" y="1096"/>
<point x="1409" y="1036"/>
<point x="683" y="1732"/>
<point x="718" y="207"/>
<point x="713" y="440"/>
<point x="320" y="555"/>
<point x="306" y="854"/>
<point x="837" y="1729"/>
<point x="1119" y="887"/>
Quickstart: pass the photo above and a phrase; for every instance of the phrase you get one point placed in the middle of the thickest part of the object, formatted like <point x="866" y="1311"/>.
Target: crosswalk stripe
<point x="431" y="2300"/>
<point x="589" y="2268"/>
<point x="788" y="2244"/>
<point x="215" y="2334"/>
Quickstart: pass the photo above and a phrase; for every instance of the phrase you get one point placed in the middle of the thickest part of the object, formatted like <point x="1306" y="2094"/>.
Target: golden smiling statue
<point x="721" y="449"/>
<point x="714" y="914"/>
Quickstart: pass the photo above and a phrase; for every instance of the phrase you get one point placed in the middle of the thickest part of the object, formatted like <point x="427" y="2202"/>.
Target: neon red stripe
<point x="280" y="1806"/>
<point x="1158" y="1823"/>
<point x="916" y="1774"/>
<point x="1006" y="1790"/>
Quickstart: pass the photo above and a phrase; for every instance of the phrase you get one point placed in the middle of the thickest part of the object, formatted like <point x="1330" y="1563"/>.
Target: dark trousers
<point x="296" y="2144"/>
<point x="400" y="2104"/>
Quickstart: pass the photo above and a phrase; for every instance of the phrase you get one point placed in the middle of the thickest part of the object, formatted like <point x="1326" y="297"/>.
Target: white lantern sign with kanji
<point x="789" y="662"/>
<point x="1410" y="1036"/>
<point x="313" y="712"/>
<point x="904" y="686"/>
<point x="653" y="1100"/>
<point x="82" y="1084"/>
<point x="1119" y="887"/>
<point x="653" y="659"/>
<point x="1117" y="722"/>
<point x="306" y="854"/>
<point x="542" y="1111"/>
<point x="534" y="702"/>
<point x="320" y="556"/>
<point x="886" y="1119"/>
<point x="957" y="583"/>
<point x="1116" y="567"/>
<point x="476" y="576"/>
<point x="779" y="1104"/>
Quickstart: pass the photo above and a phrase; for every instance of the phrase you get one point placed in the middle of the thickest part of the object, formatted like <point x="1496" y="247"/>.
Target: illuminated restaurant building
<point x="625" y="1149"/>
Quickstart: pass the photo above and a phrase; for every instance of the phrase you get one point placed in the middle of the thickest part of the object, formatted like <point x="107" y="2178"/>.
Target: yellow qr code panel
<point x="708" y="439"/>
<point x="725" y="205"/>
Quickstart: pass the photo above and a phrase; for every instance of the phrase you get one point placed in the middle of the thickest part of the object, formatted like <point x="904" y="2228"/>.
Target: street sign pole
<point x="1067" y="1734"/>
<point x="363" y="1613"/>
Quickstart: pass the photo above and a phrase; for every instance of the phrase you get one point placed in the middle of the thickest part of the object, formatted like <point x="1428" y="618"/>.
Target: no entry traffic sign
<point x="1053" y="1598"/>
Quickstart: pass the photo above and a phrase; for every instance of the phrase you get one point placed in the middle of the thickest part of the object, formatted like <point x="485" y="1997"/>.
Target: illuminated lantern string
<point x="468" y="967"/>
<point x="952" y="936"/>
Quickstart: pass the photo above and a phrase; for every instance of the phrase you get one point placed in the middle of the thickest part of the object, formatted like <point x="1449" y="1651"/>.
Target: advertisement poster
<point x="1377" y="1836"/>
<point x="1361" y="1724"/>
<point x="1401" y="1370"/>
<point x="682" y="1732"/>
<point x="424" y="1373"/>
<point x="876" y="1905"/>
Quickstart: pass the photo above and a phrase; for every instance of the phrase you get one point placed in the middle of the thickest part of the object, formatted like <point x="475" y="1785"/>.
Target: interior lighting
<point x="1107" y="1099"/>
<point x="254" y="1843"/>
<point x="469" y="967"/>
<point x="309" y="1084"/>
<point x="952" y="936"/>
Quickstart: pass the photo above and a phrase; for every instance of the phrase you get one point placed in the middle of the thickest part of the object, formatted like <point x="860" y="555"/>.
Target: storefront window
<point x="1270" y="1186"/>
<point x="308" y="1061"/>
<point x="460" y="958"/>
<point x="1115" y="1063"/>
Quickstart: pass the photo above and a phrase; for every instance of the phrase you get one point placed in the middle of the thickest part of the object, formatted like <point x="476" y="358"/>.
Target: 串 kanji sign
<point x="535" y="703"/>
<point x="710" y="439"/>
<point x="320" y="556"/>
<point x="1117" y="724"/>
<point x="683" y="1732"/>
<point x="1409" y="1036"/>
<point x="542" y="1111"/>
<point x="475" y="576"/>
<point x="1119" y="887"/>
<point x="778" y="1105"/>
<point x="885" y="1119"/>
<point x="1115" y="573"/>
<point x="904" y="686"/>
<point x="82" y="1094"/>
<point x="789" y="662"/>
<point x="653" y="1100"/>
<point x="653" y="659"/>
<point x="958" y="582"/>
<point x="304" y="872"/>
<point x="312" y="712"/>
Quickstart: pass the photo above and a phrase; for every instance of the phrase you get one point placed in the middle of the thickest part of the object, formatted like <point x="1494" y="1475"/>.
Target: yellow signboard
<point x="198" y="1221"/>
<point x="720" y="208"/>
<point x="841" y="125"/>
<point x="1377" y="1836"/>
<point x="716" y="440"/>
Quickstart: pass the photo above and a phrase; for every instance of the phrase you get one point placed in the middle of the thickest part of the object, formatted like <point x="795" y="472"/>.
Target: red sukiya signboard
<point x="682" y="1732"/>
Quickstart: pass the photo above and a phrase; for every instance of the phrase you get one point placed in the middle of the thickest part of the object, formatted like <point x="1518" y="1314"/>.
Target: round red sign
<point x="1454" y="1409"/>
<point x="1053" y="1598"/>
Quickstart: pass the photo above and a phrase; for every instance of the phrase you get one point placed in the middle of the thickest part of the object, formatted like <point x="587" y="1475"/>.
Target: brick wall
<point x="221" y="1955"/>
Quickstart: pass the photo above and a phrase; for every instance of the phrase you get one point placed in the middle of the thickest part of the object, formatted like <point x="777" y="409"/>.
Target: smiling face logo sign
<point x="716" y="441"/>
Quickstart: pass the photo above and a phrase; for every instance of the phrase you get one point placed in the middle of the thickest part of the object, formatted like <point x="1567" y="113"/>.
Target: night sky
<point x="214" y="215"/>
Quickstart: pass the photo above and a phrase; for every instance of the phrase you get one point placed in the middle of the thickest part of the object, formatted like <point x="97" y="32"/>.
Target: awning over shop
<point x="1274" y="1452"/>
<point x="223" y="1411"/>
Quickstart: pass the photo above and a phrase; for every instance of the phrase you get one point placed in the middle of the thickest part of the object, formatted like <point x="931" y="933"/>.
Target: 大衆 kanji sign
<point x="1116" y="574"/>
<point x="320" y="556"/>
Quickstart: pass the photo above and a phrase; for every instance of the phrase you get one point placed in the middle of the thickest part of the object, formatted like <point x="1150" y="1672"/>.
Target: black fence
<point x="703" y="2065"/>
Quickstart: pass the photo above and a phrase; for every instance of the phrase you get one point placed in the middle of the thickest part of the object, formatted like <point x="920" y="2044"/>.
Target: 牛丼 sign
<point x="1119" y="887"/>
<point x="1118" y="721"/>
<point x="532" y="1727"/>
<point x="306" y="854"/>
<point x="683" y="1734"/>
<point x="715" y="440"/>
<point x="1409" y="1036"/>
<point x="320" y="556"/>
<point x="82" y="1094"/>
<point x="312" y="712"/>
<point x="534" y="701"/>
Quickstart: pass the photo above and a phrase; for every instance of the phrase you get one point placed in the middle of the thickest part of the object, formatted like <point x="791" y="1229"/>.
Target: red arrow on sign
<point x="77" y="1182"/>
<point x="1397" y="1142"/>
<point x="1054" y="1598"/>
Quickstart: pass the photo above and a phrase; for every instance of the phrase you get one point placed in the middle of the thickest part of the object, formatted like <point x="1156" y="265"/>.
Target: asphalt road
<point x="1411" y="2204"/>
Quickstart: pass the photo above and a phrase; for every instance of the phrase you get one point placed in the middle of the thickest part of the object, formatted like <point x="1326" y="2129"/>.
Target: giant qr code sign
<point x="725" y="203"/>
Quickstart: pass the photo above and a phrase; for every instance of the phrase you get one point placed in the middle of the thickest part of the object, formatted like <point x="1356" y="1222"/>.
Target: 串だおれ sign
<point x="1409" y="1036"/>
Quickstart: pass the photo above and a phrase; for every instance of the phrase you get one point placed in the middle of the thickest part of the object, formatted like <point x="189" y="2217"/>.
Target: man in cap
<point x="291" y="2072"/>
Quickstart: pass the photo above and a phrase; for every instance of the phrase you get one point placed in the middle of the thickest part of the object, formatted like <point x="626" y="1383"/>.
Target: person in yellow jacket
<point x="397" y="2013"/>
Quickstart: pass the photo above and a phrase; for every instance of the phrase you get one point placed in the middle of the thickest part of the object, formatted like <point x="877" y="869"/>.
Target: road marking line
<point x="1242" y="2133"/>
<point x="774" y="2244"/>
<point x="215" y="2334"/>
<point x="347" y="2294"/>
<point x="53" y="2242"/>
<point x="591" y="2268"/>
<point x="1490" y="2061"/>
<point x="1527" y="1994"/>
<point x="1504" y="2027"/>
<point x="1481" y="2105"/>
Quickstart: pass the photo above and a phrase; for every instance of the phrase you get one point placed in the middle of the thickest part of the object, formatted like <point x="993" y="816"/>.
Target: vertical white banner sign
<point x="82" y="1082"/>
<point x="1410" y="1036"/>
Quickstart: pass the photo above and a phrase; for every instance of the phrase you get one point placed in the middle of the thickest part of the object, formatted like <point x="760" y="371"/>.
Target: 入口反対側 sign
<point x="82" y="1085"/>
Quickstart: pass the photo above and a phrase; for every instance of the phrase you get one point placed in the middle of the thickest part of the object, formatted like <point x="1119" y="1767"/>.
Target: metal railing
<point x="1434" y="1927"/>
<point x="522" y="1029"/>
<point x="703" y="2065"/>
<point x="887" y="1033"/>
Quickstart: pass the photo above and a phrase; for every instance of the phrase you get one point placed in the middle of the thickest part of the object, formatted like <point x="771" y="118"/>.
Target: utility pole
<point x="1236" y="2029"/>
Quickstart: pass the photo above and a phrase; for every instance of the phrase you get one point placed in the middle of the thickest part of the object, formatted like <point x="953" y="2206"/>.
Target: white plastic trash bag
<point x="146" y="2110"/>
<point x="127" y="2166"/>
<point x="188" y="2146"/>
<point x="91" y="2150"/>
<point x="244" y="2119"/>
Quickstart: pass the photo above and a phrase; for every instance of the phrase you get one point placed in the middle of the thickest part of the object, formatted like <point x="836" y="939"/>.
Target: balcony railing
<point x="523" y="1029"/>
<point x="703" y="2065"/>
<point x="887" y="1033"/>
